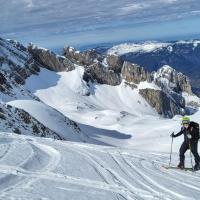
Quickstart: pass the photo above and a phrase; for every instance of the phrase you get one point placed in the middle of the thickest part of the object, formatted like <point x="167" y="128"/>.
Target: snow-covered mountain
<point x="89" y="88"/>
<point x="181" y="55"/>
<point x="17" y="64"/>
<point x="84" y="99"/>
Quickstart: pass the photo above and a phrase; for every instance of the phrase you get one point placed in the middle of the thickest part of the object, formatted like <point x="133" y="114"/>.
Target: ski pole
<point x="191" y="155"/>
<point x="170" y="158"/>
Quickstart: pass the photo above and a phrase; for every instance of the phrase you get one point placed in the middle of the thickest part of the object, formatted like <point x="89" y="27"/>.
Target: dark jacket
<point x="190" y="130"/>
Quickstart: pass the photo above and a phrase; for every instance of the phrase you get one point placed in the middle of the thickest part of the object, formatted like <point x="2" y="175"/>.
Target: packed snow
<point x="36" y="168"/>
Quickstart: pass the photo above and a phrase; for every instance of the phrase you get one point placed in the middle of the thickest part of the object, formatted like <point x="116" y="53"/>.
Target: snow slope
<point x="114" y="115"/>
<point x="40" y="168"/>
<point x="51" y="118"/>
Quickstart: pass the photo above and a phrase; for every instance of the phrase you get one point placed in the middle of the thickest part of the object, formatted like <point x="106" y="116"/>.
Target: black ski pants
<point x="194" y="149"/>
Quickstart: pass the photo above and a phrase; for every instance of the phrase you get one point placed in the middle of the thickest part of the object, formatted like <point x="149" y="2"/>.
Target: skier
<point x="190" y="130"/>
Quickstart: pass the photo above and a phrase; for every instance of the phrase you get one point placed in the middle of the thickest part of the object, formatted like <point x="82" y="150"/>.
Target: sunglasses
<point x="185" y="124"/>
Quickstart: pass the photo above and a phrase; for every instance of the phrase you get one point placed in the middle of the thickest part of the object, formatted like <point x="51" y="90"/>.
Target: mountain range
<point x="183" y="56"/>
<point x="83" y="83"/>
<point x="90" y="125"/>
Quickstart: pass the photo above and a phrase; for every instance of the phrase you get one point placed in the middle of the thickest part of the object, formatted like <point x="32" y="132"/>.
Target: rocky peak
<point x="15" y="63"/>
<point x="17" y="45"/>
<point x="135" y="73"/>
<point x="169" y="79"/>
<point x="49" y="59"/>
<point x="164" y="104"/>
<point x="87" y="57"/>
<point x="114" y="62"/>
<point x="102" y="75"/>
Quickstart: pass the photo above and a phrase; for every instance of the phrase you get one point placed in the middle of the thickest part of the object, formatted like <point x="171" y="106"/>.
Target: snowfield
<point x="147" y="47"/>
<point x="40" y="168"/>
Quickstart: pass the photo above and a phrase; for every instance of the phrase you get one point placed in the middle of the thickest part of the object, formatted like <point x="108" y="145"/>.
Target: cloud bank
<point x="42" y="19"/>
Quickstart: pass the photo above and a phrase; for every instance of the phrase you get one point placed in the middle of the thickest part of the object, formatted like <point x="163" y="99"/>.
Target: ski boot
<point x="180" y="166"/>
<point x="197" y="167"/>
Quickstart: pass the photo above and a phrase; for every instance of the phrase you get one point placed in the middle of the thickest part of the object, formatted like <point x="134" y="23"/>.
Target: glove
<point x="189" y="136"/>
<point x="172" y="135"/>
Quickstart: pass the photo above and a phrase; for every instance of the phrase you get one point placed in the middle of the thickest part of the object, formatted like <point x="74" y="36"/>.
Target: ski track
<point x="126" y="174"/>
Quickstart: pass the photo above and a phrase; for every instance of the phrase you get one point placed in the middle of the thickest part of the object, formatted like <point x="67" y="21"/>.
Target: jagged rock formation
<point x="101" y="74"/>
<point x="87" y="57"/>
<point x="135" y="73"/>
<point x="50" y="60"/>
<point x="164" y="104"/>
<point x="115" y="63"/>
<point x="18" y="121"/>
<point x="16" y="65"/>
<point x="168" y="78"/>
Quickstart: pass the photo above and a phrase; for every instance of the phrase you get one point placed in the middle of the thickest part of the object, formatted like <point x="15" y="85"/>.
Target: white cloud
<point x="29" y="3"/>
<point x="133" y="7"/>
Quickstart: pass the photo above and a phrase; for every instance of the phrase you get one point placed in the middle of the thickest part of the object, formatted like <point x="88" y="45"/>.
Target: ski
<point x="174" y="167"/>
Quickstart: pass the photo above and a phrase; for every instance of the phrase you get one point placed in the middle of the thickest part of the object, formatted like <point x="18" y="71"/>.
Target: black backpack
<point x="196" y="128"/>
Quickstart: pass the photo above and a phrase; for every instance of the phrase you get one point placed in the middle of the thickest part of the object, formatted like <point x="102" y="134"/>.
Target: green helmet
<point x="185" y="120"/>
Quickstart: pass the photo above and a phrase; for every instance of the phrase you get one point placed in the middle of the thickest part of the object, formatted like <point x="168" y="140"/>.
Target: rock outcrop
<point x="50" y="60"/>
<point x="164" y="104"/>
<point x="18" y="121"/>
<point x="135" y="73"/>
<point x="15" y="63"/>
<point x="115" y="63"/>
<point x="169" y="79"/>
<point x="87" y="57"/>
<point x="97" y="72"/>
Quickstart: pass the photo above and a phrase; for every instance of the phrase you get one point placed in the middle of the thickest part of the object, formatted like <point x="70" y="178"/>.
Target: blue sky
<point x="51" y="23"/>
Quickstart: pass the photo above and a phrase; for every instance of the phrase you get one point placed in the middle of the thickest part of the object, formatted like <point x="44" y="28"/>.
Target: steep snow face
<point x="132" y="47"/>
<point x="40" y="168"/>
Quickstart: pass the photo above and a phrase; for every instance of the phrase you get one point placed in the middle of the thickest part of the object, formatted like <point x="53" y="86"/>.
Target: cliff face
<point x="164" y="104"/>
<point x="50" y="60"/>
<point x="97" y="72"/>
<point x="135" y="73"/>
